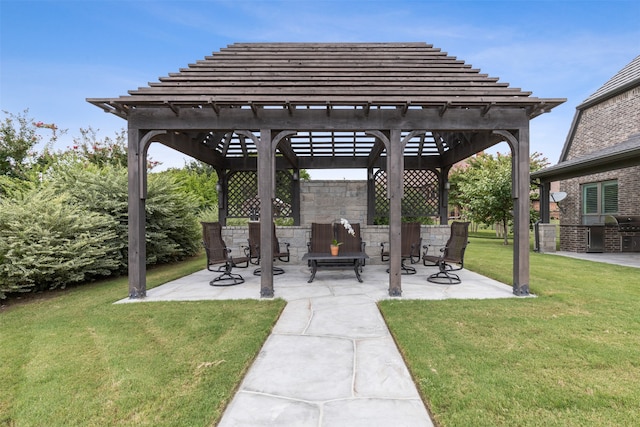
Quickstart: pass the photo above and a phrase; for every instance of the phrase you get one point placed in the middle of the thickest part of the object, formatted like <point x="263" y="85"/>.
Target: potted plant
<point x="335" y="247"/>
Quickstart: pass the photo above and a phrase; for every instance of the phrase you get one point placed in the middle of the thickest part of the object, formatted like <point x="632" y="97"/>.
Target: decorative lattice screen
<point x="243" y="201"/>
<point x="420" y="195"/>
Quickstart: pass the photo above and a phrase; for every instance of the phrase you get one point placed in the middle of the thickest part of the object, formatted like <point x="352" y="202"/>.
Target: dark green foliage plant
<point x="16" y="139"/>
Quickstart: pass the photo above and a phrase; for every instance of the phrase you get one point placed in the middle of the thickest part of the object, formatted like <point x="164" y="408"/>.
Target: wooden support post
<point x="223" y="190"/>
<point x="520" y="170"/>
<point x="443" y="188"/>
<point x="266" y="190"/>
<point x="371" y="196"/>
<point x="545" y="192"/>
<point x="137" y="170"/>
<point x="295" y="197"/>
<point x="395" y="168"/>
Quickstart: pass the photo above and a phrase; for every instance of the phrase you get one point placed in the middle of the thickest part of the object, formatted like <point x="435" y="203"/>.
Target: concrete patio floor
<point x="330" y="359"/>
<point x="293" y="286"/>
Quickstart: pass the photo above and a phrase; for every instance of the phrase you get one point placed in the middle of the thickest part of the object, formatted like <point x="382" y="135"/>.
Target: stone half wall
<point x="327" y="201"/>
<point x="298" y="236"/>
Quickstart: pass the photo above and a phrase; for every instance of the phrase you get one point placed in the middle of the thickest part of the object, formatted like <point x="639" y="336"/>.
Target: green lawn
<point x="570" y="357"/>
<point x="76" y="359"/>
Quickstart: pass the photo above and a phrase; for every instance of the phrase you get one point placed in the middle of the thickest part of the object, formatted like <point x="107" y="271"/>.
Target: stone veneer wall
<point x="328" y="201"/>
<point x="603" y="125"/>
<point x="298" y="236"/>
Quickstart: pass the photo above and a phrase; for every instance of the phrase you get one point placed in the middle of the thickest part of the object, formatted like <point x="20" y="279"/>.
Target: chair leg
<point x="227" y="278"/>
<point x="444" y="276"/>
<point x="276" y="271"/>
<point x="406" y="269"/>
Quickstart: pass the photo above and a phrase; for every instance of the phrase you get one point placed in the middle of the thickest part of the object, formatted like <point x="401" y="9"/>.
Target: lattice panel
<point x="284" y="195"/>
<point x="243" y="201"/>
<point x="420" y="194"/>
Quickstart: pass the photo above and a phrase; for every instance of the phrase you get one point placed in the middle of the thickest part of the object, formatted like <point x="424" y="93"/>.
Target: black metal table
<point x="344" y="259"/>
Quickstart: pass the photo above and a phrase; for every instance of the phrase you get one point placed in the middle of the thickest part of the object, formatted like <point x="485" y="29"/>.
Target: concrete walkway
<point x="627" y="259"/>
<point x="330" y="360"/>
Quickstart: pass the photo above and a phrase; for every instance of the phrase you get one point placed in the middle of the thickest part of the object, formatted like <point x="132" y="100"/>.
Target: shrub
<point x="101" y="190"/>
<point x="73" y="226"/>
<point x="172" y="229"/>
<point x="198" y="179"/>
<point x="47" y="241"/>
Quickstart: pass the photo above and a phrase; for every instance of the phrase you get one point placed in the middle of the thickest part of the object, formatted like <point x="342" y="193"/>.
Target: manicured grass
<point x="570" y="357"/>
<point x="76" y="359"/>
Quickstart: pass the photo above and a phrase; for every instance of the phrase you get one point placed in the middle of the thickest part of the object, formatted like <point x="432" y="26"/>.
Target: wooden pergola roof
<point x="268" y="106"/>
<point x="362" y="77"/>
<point x="327" y="75"/>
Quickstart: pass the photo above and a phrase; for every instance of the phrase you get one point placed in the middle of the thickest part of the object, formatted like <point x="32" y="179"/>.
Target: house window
<point x="599" y="199"/>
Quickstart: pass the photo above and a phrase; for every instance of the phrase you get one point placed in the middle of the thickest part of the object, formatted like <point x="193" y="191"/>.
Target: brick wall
<point x="607" y="123"/>
<point x="575" y="238"/>
<point x="601" y="126"/>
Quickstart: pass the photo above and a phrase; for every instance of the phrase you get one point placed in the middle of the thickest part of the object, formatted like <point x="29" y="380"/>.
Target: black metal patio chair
<point x="409" y="247"/>
<point x="452" y="253"/>
<point x="218" y="253"/>
<point x="254" y="248"/>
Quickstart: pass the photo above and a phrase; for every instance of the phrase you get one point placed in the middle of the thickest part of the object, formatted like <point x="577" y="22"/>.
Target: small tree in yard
<point x="483" y="189"/>
<point x="18" y="137"/>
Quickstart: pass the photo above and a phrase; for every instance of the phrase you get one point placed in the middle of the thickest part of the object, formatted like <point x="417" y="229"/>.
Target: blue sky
<point x="56" y="53"/>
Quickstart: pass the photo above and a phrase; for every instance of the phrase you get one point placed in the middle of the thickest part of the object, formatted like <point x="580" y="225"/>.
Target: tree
<point x="18" y="136"/>
<point x="483" y="189"/>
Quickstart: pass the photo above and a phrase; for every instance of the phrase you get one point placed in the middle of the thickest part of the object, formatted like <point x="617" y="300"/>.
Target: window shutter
<point x="610" y="197"/>
<point x="590" y="201"/>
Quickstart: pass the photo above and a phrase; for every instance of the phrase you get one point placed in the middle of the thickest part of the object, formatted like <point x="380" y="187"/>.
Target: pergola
<point x="269" y="107"/>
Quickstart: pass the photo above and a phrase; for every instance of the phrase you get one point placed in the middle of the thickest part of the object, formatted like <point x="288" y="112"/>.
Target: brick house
<point x="599" y="169"/>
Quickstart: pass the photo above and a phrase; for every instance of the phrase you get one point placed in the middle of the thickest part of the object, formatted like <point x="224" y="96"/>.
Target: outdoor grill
<point x="624" y="222"/>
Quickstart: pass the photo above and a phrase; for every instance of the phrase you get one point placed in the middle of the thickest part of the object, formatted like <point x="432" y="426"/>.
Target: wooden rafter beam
<point x="284" y="146"/>
<point x="473" y="143"/>
<point x="375" y="153"/>
<point x="191" y="147"/>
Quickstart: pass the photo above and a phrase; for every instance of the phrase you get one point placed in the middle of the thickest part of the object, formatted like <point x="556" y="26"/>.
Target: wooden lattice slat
<point x="243" y="201"/>
<point x="420" y="195"/>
